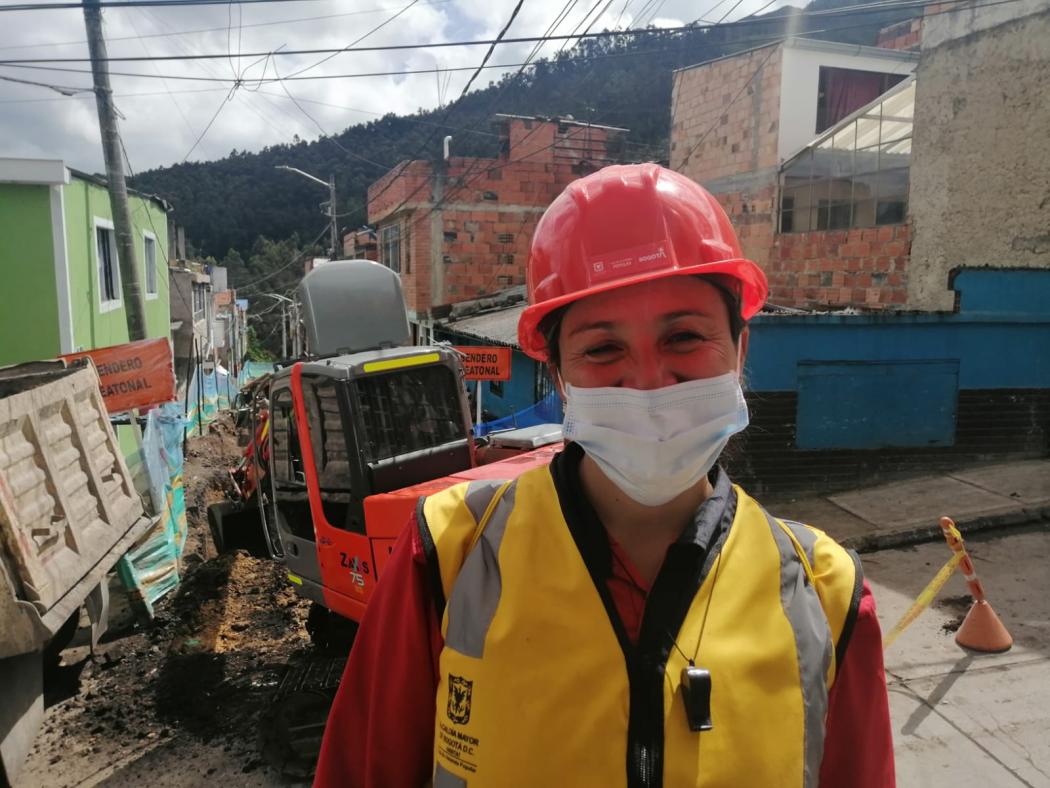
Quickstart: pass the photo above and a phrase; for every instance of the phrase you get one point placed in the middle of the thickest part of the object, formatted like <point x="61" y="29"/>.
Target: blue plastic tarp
<point x="150" y="569"/>
<point x="546" y="411"/>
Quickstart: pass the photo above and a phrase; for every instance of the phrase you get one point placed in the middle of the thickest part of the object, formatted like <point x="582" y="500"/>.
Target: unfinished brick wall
<point x="754" y="215"/>
<point x="713" y="136"/>
<point x="415" y="260"/>
<point x="905" y="36"/>
<point x="862" y="268"/>
<point x="725" y="123"/>
<point x="487" y="223"/>
<point x="405" y="182"/>
<point x="467" y="233"/>
<point x="360" y="245"/>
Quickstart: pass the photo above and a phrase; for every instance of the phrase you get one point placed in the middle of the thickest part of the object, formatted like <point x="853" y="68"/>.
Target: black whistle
<point x="696" y="689"/>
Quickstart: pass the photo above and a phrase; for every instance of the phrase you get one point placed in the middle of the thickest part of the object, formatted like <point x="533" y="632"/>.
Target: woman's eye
<point x="684" y="337"/>
<point x="601" y="352"/>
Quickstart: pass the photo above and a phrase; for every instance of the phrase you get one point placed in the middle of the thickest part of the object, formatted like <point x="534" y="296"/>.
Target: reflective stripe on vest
<point x="533" y="683"/>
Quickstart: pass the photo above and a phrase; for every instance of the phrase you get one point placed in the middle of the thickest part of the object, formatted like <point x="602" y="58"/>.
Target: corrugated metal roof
<point x="499" y="326"/>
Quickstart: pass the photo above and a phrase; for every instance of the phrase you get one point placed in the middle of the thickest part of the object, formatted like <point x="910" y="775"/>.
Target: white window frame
<point x="385" y="243"/>
<point x="105" y="305"/>
<point x="147" y="239"/>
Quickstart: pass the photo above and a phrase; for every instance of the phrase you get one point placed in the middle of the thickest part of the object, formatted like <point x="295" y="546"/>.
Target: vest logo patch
<point x="459" y="691"/>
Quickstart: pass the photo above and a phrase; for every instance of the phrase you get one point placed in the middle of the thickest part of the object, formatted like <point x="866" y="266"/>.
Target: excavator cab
<point x="345" y="429"/>
<point x="347" y="440"/>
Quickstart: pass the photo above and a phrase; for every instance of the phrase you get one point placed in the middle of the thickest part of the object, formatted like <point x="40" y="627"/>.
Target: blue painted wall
<point x="876" y="405"/>
<point x="996" y="348"/>
<point x="876" y="381"/>
<point x="518" y="393"/>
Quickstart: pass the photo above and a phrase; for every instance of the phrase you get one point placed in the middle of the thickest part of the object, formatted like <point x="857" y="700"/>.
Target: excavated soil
<point x="178" y="701"/>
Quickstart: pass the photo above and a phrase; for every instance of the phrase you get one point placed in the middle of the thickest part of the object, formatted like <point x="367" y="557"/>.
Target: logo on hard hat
<point x="625" y="263"/>
<point x="459" y="692"/>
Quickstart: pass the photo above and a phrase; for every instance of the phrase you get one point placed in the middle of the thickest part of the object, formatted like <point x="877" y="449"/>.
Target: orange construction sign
<point x="133" y="375"/>
<point x="486" y="363"/>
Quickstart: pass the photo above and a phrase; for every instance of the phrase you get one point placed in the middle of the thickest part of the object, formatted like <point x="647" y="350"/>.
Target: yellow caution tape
<point x="923" y="600"/>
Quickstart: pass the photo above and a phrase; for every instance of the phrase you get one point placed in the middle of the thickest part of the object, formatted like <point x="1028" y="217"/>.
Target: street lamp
<point x="331" y="201"/>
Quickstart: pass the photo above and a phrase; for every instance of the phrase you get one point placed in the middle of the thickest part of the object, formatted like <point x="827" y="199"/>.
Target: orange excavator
<point x="345" y="441"/>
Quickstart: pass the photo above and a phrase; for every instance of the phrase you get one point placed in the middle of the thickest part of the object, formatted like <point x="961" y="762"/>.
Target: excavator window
<point x="329" y="438"/>
<point x="289" y="478"/>
<point x="409" y="411"/>
<point x="287" y="454"/>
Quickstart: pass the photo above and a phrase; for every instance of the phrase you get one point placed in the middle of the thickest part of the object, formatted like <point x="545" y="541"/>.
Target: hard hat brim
<point x="753" y="293"/>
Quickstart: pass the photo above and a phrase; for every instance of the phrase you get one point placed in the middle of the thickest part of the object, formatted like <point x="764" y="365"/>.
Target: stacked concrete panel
<point x="66" y="496"/>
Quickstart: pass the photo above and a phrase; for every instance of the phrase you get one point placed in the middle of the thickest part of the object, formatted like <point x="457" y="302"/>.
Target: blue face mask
<point x="654" y="445"/>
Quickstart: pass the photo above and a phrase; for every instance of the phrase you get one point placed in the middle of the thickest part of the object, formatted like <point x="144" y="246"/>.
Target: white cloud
<point x="162" y="118"/>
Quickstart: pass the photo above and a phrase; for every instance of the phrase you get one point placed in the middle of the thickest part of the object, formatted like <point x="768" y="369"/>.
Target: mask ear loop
<point x="696" y="682"/>
<point x="559" y="384"/>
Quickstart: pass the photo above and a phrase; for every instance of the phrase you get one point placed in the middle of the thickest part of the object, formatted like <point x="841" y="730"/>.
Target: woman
<point x="626" y="616"/>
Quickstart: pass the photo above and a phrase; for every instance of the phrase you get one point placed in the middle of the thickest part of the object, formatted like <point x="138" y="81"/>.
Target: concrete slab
<point x="1027" y="482"/>
<point x="963" y="719"/>
<point x="937" y="755"/>
<point x="1004" y="712"/>
<point x="976" y="735"/>
<point x="823" y="514"/>
<point x="922" y="501"/>
<point x="1012" y="569"/>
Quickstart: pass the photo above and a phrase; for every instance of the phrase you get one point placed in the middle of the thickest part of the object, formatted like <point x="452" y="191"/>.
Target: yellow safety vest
<point x="535" y="689"/>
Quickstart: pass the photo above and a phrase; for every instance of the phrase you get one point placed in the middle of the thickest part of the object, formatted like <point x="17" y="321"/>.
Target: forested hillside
<point x="619" y="80"/>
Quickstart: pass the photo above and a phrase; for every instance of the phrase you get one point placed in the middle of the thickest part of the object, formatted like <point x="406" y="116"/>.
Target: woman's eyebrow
<point x="672" y="316"/>
<point x="604" y="325"/>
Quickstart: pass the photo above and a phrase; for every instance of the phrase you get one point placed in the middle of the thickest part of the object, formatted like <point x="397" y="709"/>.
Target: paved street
<point x="966" y="720"/>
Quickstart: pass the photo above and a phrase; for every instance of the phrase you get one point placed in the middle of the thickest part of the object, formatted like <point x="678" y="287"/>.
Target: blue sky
<point x="163" y="117"/>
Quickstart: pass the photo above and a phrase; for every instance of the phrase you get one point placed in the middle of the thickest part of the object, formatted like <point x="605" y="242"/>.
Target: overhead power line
<point x="295" y="20"/>
<point x="850" y="11"/>
<point x="355" y="42"/>
<point x="65" y="90"/>
<point x="134" y="3"/>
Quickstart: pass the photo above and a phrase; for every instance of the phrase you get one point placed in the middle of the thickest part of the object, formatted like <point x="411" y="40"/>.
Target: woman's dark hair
<point x="550" y="325"/>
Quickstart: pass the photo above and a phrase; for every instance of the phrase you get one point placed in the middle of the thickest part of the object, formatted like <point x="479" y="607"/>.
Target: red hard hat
<point x="624" y="225"/>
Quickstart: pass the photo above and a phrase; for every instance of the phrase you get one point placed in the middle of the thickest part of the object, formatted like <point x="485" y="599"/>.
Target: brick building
<point x="459" y="229"/>
<point x="926" y="208"/>
<point x="361" y="244"/>
<point x="738" y="121"/>
<point x="905" y="36"/>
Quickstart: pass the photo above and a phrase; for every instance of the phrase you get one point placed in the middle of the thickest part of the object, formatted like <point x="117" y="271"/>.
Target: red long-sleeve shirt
<point x="380" y="731"/>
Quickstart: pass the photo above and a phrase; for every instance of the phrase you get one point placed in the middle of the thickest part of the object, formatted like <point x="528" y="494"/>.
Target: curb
<point x="883" y="540"/>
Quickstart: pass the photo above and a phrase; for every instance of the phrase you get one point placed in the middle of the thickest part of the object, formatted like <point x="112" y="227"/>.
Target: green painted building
<point x="58" y="254"/>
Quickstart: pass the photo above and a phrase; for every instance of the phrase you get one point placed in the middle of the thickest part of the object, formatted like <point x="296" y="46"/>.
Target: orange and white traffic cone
<point x="981" y="630"/>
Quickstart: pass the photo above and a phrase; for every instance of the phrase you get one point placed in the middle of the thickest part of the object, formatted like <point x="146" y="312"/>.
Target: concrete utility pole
<point x="285" y="300"/>
<point x="130" y="279"/>
<point x="331" y="204"/>
<point x="284" y="333"/>
<point x="331" y="212"/>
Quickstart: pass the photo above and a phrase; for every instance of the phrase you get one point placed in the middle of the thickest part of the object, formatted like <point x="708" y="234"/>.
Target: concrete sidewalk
<point x="908" y="512"/>
<point x="962" y="719"/>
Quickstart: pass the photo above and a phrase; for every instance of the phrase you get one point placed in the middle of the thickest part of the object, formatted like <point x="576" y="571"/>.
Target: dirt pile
<point x="177" y="701"/>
